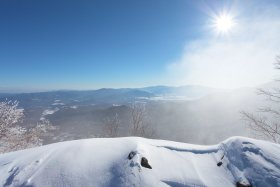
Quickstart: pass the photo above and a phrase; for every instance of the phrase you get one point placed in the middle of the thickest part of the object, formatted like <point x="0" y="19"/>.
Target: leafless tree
<point x="139" y="122"/>
<point x="261" y="127"/>
<point x="266" y="123"/>
<point x="14" y="137"/>
<point x="111" y="126"/>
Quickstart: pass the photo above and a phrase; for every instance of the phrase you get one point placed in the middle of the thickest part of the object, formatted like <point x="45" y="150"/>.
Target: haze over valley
<point x="192" y="114"/>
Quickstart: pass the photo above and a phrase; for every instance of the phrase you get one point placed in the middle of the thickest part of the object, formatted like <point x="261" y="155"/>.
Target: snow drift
<point x="118" y="162"/>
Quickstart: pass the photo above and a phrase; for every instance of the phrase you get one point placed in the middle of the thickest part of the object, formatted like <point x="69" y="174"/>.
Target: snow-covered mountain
<point x="143" y="162"/>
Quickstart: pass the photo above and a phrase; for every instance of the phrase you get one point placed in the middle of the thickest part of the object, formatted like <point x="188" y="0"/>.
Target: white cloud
<point x="245" y="57"/>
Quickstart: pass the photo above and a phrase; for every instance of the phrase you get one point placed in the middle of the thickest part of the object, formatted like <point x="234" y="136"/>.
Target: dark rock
<point x="219" y="164"/>
<point x="145" y="163"/>
<point x="131" y="155"/>
<point x="242" y="184"/>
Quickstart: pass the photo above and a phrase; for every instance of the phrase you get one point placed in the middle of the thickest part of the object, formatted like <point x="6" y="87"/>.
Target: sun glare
<point x="223" y="23"/>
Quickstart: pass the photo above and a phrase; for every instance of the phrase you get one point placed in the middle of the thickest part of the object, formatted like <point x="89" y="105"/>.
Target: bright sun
<point x="224" y="23"/>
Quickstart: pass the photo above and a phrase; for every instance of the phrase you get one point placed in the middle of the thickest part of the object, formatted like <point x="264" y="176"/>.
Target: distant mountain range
<point x="108" y="95"/>
<point x="193" y="114"/>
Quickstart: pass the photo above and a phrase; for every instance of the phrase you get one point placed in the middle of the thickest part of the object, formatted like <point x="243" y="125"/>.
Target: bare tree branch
<point x="111" y="126"/>
<point x="139" y="123"/>
<point x="270" y="95"/>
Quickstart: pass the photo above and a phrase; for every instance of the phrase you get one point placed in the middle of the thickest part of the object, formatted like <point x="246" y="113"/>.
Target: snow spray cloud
<point x="243" y="58"/>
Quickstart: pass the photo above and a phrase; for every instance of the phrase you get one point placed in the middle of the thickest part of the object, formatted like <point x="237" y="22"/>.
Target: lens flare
<point x="224" y="23"/>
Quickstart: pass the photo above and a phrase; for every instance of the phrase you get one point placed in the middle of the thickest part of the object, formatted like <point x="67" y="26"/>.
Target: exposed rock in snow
<point x="242" y="184"/>
<point x="131" y="155"/>
<point x="145" y="163"/>
<point x="119" y="162"/>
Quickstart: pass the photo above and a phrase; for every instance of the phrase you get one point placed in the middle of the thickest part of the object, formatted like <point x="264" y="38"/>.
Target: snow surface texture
<point x="105" y="162"/>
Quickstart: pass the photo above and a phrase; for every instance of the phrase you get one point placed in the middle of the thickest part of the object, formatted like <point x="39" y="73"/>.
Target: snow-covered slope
<point x="105" y="162"/>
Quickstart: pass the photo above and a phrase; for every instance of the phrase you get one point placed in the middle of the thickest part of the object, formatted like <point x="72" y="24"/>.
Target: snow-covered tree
<point x="10" y="114"/>
<point x="12" y="136"/>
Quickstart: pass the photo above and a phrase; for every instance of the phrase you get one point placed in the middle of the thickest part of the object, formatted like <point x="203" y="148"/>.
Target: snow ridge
<point x="108" y="162"/>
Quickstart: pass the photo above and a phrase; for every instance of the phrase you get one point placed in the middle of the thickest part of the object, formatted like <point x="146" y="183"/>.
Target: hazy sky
<point x="66" y="44"/>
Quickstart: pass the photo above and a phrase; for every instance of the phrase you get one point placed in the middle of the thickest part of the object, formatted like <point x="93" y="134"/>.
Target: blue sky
<point x="66" y="44"/>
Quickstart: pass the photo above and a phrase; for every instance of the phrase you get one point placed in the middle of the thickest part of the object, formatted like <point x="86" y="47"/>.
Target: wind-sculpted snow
<point x="255" y="161"/>
<point x="105" y="162"/>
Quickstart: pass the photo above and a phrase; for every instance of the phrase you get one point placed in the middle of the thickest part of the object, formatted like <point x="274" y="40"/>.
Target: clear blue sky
<point x="66" y="44"/>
